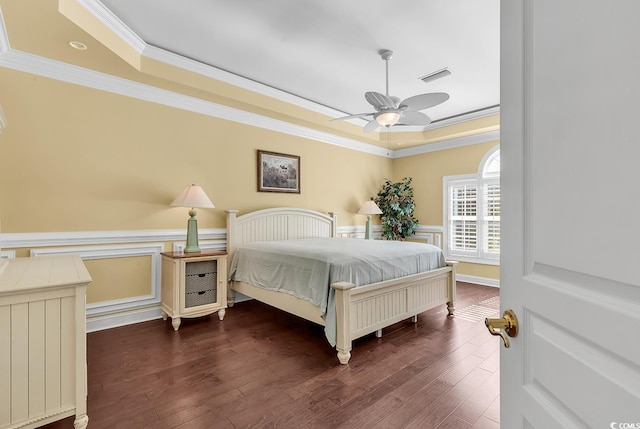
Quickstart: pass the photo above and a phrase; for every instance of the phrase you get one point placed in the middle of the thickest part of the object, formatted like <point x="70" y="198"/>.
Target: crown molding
<point x="465" y="117"/>
<point x="127" y="35"/>
<point x="45" y="67"/>
<point x="178" y="61"/>
<point x="115" y="24"/>
<point x="34" y="64"/>
<point x="448" y="144"/>
<point x="446" y="122"/>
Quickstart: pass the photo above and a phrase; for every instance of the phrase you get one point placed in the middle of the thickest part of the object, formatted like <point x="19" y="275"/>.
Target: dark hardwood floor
<point x="263" y="368"/>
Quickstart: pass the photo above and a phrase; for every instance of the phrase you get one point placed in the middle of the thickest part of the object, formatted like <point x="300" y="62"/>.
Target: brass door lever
<point x="507" y="325"/>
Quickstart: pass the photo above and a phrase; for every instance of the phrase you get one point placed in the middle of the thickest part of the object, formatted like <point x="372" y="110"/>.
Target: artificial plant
<point x="396" y="203"/>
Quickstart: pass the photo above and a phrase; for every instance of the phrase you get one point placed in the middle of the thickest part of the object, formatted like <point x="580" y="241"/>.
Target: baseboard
<point x="115" y="320"/>
<point x="484" y="281"/>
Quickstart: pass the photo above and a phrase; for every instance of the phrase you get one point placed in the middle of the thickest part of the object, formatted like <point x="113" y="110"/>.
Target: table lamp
<point x="194" y="197"/>
<point x="369" y="208"/>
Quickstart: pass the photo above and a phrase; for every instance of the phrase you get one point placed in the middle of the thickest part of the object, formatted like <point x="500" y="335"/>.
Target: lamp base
<point x="192" y="234"/>
<point x="368" y="233"/>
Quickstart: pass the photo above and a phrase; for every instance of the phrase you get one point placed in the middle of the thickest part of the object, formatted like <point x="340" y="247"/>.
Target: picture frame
<point x="278" y="172"/>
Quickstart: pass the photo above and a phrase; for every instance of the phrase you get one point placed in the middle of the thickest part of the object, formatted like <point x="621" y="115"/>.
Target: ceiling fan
<point x="391" y="111"/>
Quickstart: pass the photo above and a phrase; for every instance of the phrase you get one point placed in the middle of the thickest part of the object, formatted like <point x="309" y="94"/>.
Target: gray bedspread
<point x="306" y="268"/>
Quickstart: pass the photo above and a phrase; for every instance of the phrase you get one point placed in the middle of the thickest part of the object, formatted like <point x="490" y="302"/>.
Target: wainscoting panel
<point x="7" y="254"/>
<point x="112" y="313"/>
<point x="94" y="245"/>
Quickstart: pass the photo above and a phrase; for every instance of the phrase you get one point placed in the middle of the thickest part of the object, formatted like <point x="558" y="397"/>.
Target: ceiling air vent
<point x="435" y="75"/>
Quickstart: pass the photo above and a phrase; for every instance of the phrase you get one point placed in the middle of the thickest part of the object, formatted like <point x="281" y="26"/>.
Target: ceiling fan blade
<point x="358" y="115"/>
<point x="371" y="126"/>
<point x="424" y="101"/>
<point x="414" y="118"/>
<point x="379" y="101"/>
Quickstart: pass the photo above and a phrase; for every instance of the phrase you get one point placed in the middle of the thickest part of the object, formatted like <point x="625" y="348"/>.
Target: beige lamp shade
<point x="369" y="208"/>
<point x="193" y="196"/>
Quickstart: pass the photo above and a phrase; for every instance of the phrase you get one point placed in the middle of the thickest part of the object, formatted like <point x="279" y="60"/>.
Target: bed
<point x="350" y="310"/>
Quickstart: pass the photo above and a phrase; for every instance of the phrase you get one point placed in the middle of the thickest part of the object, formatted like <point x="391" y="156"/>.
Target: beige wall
<point x="119" y="278"/>
<point x="79" y="159"/>
<point x="427" y="171"/>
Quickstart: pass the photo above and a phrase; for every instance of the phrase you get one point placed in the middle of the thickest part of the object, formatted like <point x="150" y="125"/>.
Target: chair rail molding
<point x="123" y="244"/>
<point x="42" y="239"/>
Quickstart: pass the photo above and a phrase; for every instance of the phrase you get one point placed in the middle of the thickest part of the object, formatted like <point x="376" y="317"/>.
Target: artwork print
<point x="278" y="172"/>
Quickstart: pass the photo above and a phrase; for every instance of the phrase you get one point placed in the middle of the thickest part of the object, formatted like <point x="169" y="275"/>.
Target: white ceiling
<point x="326" y="51"/>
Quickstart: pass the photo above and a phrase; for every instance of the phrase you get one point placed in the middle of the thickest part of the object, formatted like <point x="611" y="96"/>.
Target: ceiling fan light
<point x="387" y="119"/>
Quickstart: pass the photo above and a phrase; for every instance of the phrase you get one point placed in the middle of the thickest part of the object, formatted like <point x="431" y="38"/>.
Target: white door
<point x="570" y="267"/>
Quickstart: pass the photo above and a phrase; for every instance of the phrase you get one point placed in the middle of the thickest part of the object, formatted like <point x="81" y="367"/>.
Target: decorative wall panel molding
<point x="7" y="254"/>
<point x="117" y="308"/>
<point x="431" y="234"/>
<point x="106" y="245"/>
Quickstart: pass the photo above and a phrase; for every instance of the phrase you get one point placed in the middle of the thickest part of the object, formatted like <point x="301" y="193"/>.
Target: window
<point x="472" y="212"/>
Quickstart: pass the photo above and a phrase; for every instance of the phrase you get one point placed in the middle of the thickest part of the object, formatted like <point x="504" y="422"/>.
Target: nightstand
<point x="193" y="285"/>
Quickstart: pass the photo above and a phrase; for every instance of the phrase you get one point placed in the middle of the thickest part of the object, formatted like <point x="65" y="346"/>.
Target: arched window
<point x="472" y="212"/>
<point x="490" y="164"/>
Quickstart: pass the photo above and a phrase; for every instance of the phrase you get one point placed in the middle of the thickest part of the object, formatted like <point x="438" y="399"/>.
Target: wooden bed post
<point x="231" y="247"/>
<point x="452" y="287"/>
<point x="334" y="224"/>
<point x="343" y="325"/>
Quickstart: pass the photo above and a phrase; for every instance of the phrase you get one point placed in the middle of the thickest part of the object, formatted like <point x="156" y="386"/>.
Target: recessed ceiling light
<point x="78" y="45"/>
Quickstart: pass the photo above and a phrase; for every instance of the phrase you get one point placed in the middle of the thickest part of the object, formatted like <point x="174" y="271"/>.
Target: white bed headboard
<point x="283" y="223"/>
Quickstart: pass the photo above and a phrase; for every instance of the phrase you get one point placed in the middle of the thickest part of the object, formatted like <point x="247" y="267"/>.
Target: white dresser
<point x="43" y="370"/>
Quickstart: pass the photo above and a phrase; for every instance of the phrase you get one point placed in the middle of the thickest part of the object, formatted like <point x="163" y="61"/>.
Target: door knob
<point x="506" y="325"/>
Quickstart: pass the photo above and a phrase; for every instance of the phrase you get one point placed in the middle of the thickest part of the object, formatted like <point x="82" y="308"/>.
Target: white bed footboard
<point x="366" y="309"/>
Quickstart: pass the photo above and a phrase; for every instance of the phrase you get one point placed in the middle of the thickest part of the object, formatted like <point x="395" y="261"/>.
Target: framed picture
<point x="278" y="172"/>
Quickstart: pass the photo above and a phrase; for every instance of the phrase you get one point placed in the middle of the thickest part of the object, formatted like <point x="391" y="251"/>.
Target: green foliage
<point x="396" y="203"/>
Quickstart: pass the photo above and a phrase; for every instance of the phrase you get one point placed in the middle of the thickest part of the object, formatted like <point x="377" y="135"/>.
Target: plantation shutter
<point x="491" y="218"/>
<point x="463" y="226"/>
<point x="472" y="213"/>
